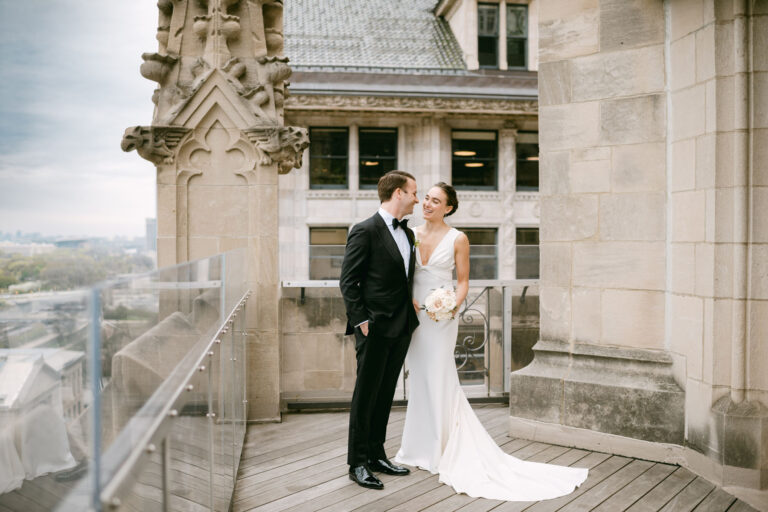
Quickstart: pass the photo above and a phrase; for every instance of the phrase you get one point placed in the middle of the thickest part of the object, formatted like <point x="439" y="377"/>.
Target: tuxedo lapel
<point x="389" y="243"/>
<point x="412" y="252"/>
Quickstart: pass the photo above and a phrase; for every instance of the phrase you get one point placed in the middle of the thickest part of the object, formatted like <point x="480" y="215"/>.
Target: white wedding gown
<point x="441" y="433"/>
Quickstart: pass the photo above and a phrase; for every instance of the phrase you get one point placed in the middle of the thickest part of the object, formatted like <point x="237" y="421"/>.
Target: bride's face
<point x="435" y="204"/>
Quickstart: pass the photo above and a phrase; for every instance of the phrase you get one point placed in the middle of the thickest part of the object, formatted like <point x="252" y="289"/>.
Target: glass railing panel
<point x="190" y="445"/>
<point x="168" y="313"/>
<point x="46" y="400"/>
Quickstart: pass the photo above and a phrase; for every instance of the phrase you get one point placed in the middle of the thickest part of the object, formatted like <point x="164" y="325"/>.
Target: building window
<point x="378" y="154"/>
<point x="517" y="36"/>
<point x="527" y="253"/>
<point x="474" y="155"/>
<point x="488" y="35"/>
<point x="527" y="149"/>
<point x="328" y="156"/>
<point x="483" y="255"/>
<point x="326" y="252"/>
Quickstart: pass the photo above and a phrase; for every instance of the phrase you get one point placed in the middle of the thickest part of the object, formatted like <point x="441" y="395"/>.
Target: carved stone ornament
<point x="301" y="102"/>
<point x="284" y="145"/>
<point x="156" y="66"/>
<point x="153" y="143"/>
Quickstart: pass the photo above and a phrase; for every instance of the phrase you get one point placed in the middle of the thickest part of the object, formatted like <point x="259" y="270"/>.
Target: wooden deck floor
<point x="299" y="465"/>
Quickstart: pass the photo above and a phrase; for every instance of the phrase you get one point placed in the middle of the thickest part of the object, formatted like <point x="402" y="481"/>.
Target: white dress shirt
<point x="401" y="239"/>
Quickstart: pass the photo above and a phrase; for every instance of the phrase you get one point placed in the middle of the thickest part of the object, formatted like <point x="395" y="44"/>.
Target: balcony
<point x="133" y="395"/>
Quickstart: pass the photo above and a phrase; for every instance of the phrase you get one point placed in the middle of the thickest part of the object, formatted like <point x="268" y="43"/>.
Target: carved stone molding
<point x="153" y="143"/>
<point x="342" y="194"/>
<point x="283" y="145"/>
<point x="526" y="196"/>
<point x="479" y="196"/>
<point x="303" y="102"/>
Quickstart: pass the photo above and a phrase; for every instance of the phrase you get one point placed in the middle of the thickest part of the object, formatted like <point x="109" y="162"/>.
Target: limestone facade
<point x="653" y="233"/>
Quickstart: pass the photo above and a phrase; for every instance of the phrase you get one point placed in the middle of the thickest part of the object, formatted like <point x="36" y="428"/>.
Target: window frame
<point x="518" y="160"/>
<point x="525" y="38"/>
<point x="360" y="155"/>
<point x="496" y="230"/>
<point x="324" y="186"/>
<point x="310" y="245"/>
<point x="495" y="159"/>
<point x="497" y="36"/>
<point x="519" y="245"/>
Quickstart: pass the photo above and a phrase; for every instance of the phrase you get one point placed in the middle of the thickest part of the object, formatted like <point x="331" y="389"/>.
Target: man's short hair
<point x="392" y="181"/>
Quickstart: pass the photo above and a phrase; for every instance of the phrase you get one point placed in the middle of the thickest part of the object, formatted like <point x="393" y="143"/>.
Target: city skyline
<point x="71" y="86"/>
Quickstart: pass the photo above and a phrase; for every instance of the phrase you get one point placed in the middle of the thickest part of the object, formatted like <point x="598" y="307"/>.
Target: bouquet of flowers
<point x="440" y="304"/>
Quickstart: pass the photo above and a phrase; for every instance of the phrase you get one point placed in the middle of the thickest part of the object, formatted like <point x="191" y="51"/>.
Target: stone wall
<point x="653" y="232"/>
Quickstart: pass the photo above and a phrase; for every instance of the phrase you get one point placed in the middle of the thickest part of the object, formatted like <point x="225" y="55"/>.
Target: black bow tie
<point x="399" y="223"/>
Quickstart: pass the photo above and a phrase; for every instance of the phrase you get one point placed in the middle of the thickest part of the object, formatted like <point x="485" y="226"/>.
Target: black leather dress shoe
<point x="385" y="466"/>
<point x="362" y="476"/>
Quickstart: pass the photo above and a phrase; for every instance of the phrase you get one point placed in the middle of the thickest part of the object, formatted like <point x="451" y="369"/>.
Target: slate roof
<point x="370" y="36"/>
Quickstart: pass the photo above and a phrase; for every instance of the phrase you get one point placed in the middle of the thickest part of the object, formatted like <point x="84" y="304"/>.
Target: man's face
<point x="408" y="198"/>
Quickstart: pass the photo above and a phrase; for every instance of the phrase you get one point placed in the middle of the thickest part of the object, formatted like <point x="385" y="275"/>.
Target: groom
<point x="376" y="283"/>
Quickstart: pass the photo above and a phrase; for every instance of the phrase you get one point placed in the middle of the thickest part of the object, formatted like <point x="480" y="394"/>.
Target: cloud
<point x="71" y="85"/>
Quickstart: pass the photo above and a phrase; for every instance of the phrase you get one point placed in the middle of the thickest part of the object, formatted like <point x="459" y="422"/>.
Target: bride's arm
<point x="461" y="256"/>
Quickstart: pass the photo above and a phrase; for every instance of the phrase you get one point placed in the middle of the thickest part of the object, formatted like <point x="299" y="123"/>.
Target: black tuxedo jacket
<point x="373" y="280"/>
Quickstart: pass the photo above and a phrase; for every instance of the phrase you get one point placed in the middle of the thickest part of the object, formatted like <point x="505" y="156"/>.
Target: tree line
<point x="67" y="269"/>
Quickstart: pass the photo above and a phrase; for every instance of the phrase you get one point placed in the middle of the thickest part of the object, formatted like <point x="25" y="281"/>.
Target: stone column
<point x="218" y="141"/>
<point x="601" y="366"/>
<point x="507" y="186"/>
<point x="653" y="234"/>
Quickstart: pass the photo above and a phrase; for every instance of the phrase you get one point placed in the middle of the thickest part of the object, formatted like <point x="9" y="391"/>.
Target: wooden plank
<point x="740" y="506"/>
<point x="339" y="469"/>
<point x="349" y="499"/>
<point x="662" y="493"/>
<point x="627" y="496"/>
<point x="691" y="495"/>
<point x="716" y="501"/>
<point x="608" y="487"/>
<point x="601" y="466"/>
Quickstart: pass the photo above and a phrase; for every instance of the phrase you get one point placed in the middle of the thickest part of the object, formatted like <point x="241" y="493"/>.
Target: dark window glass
<point x="483" y="255"/>
<point x="517" y="36"/>
<point x="488" y="35"/>
<point x="474" y="156"/>
<point x="328" y="155"/>
<point x="527" y="253"/>
<point x="326" y="252"/>
<point x="527" y="149"/>
<point x="378" y="154"/>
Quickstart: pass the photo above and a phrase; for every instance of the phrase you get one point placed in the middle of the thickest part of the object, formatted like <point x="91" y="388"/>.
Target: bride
<point x="442" y="434"/>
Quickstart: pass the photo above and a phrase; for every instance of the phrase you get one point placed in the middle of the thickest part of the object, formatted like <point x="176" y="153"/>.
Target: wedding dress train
<point x="441" y="433"/>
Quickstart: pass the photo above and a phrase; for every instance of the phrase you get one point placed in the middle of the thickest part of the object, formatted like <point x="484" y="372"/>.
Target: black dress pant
<point x="379" y="361"/>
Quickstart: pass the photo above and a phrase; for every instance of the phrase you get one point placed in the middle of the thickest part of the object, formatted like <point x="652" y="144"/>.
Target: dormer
<point x="494" y="34"/>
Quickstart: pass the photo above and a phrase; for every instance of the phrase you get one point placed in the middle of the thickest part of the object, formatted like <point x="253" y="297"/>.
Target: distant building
<point x="445" y="90"/>
<point x="73" y="243"/>
<point x="150" y="243"/>
<point x="25" y="249"/>
<point x="51" y="369"/>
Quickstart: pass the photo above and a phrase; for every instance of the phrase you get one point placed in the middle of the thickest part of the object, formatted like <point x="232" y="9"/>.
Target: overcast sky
<point x="70" y="86"/>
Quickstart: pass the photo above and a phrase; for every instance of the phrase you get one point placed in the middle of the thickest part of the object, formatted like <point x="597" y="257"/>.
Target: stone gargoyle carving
<point x="153" y="143"/>
<point x="284" y="145"/>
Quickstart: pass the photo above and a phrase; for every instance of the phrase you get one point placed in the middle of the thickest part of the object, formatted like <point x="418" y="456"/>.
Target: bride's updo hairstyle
<point x="450" y="194"/>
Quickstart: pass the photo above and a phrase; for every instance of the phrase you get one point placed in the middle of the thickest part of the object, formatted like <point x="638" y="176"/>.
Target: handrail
<point x="116" y="473"/>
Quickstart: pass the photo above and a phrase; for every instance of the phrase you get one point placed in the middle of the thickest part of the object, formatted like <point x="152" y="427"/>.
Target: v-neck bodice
<point x="441" y="262"/>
